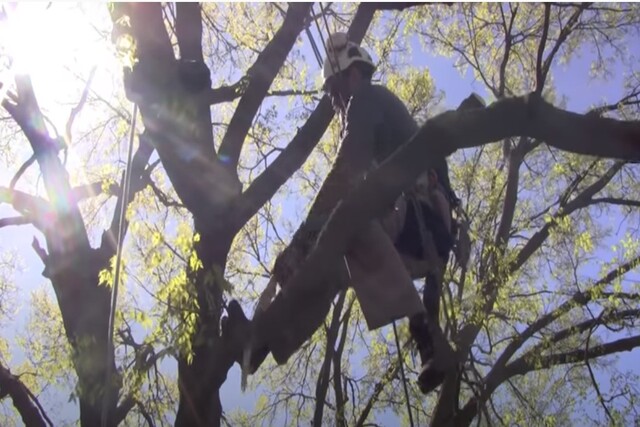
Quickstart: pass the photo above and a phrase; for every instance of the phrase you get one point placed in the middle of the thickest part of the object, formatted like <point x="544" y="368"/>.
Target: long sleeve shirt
<point x="377" y="123"/>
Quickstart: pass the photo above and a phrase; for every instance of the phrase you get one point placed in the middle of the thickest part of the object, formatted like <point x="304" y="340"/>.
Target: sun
<point x="57" y="45"/>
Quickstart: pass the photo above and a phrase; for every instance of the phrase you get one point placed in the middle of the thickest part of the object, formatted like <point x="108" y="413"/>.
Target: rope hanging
<point x="116" y="276"/>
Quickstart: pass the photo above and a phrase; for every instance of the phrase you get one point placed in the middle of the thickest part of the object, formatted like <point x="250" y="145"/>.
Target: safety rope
<point x="116" y="276"/>
<point x="404" y="378"/>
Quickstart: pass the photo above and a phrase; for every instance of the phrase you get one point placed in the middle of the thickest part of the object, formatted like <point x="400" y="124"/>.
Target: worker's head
<point x="345" y="67"/>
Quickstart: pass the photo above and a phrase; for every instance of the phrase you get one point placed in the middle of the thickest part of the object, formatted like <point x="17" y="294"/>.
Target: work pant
<point x="378" y="275"/>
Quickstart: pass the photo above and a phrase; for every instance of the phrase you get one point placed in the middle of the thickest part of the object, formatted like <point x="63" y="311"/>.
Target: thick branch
<point x="540" y="74"/>
<point x="26" y="204"/>
<point x="28" y="410"/>
<point x="291" y="159"/>
<point x="530" y="363"/>
<point x="30" y="119"/>
<point x="14" y="220"/>
<point x="139" y="180"/>
<point x="261" y="76"/>
<point x="223" y="94"/>
<point x="442" y="135"/>
<point x="189" y="31"/>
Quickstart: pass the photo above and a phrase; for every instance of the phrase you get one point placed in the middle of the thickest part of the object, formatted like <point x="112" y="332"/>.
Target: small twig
<point x="21" y="171"/>
<point x="76" y="110"/>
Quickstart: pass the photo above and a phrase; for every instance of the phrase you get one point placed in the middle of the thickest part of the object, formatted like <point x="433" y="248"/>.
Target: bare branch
<point x="524" y="365"/>
<point x="22" y="399"/>
<point x="95" y="189"/>
<point x="23" y="168"/>
<point x="14" y="220"/>
<point x="583" y="200"/>
<point x="78" y="108"/>
<point x="593" y="378"/>
<point x="540" y="77"/>
<point x="508" y="40"/>
<point x="189" y="30"/>
<point x="617" y="201"/>
<point x="579" y="298"/>
<point x="223" y="94"/>
<point x="260" y="77"/>
<point x="139" y="180"/>
<point x="145" y="414"/>
<point x="628" y="100"/>
<point x="564" y="34"/>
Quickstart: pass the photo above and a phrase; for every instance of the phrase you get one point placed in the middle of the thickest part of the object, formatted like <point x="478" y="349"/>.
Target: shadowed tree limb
<point x="14" y="220"/>
<point x="260" y="77"/>
<point x="23" y="400"/>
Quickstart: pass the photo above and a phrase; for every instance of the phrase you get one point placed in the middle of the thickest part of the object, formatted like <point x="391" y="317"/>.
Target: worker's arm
<point x="354" y="159"/>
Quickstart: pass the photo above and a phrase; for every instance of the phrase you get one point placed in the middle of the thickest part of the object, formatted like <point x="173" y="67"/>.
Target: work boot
<point x="436" y="356"/>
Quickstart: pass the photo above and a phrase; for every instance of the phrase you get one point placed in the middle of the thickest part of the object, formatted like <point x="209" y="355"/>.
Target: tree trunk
<point x="200" y="380"/>
<point x="84" y="305"/>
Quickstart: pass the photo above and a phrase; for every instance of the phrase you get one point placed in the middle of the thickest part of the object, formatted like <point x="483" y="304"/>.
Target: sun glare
<point x="46" y="40"/>
<point x="57" y="45"/>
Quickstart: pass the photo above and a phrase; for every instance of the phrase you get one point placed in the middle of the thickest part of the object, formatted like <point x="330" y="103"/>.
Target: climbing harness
<point x="116" y="276"/>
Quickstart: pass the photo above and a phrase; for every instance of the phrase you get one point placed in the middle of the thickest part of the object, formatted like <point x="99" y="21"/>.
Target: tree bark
<point x="12" y="386"/>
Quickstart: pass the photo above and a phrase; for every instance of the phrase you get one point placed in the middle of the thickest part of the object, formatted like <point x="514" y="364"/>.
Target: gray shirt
<point x="377" y="123"/>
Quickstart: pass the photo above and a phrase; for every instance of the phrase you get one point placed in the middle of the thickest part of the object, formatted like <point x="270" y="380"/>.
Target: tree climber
<point x="374" y="124"/>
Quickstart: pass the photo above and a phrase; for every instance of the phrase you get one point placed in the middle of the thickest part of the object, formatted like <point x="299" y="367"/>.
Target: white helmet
<point x="341" y="53"/>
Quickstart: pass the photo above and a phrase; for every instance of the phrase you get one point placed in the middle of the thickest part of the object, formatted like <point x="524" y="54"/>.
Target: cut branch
<point x="260" y="77"/>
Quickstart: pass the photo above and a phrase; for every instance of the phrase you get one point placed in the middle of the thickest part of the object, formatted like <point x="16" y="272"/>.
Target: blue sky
<point x="571" y="80"/>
